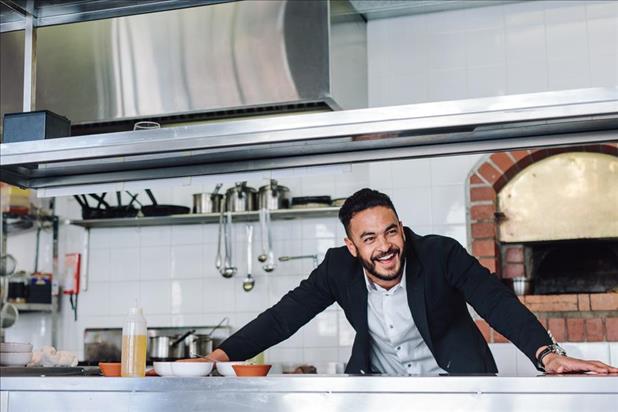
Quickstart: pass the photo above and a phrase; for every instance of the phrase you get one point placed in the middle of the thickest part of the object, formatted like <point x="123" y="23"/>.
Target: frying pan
<point x="156" y="209"/>
<point x="87" y="211"/>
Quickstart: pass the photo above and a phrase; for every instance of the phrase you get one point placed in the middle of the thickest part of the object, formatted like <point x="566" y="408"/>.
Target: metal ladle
<point x="263" y="256"/>
<point x="219" y="259"/>
<point x="228" y="269"/>
<point x="269" y="266"/>
<point x="249" y="282"/>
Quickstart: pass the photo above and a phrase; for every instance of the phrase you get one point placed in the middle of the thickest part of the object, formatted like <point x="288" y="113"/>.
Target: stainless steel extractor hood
<point x="218" y="60"/>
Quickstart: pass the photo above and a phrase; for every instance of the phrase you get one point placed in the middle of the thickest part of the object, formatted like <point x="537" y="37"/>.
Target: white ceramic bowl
<point x="191" y="369"/>
<point x="15" y="358"/>
<point x="225" y="368"/>
<point x="163" y="368"/>
<point x="15" y="347"/>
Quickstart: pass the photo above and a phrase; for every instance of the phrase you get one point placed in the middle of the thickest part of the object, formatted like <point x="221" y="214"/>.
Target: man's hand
<point x="216" y="356"/>
<point x="556" y="364"/>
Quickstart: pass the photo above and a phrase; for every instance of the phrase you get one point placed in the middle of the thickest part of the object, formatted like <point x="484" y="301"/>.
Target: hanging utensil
<point x="218" y="259"/>
<point x="269" y="266"/>
<point x="249" y="282"/>
<point x="228" y="269"/>
<point x="263" y="256"/>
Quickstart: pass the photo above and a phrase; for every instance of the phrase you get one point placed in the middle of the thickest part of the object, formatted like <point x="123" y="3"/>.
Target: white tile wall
<point x="515" y="48"/>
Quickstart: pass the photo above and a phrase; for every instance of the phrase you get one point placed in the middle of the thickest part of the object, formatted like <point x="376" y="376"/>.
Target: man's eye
<point x="392" y="231"/>
<point x="368" y="239"/>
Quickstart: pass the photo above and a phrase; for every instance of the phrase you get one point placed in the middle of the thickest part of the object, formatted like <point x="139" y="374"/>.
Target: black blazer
<point x="441" y="278"/>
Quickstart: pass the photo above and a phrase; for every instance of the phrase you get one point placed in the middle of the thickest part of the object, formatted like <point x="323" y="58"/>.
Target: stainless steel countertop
<point x="310" y="393"/>
<point x="323" y="383"/>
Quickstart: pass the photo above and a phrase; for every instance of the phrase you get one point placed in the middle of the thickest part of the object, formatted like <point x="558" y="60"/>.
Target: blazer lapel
<point x="415" y="288"/>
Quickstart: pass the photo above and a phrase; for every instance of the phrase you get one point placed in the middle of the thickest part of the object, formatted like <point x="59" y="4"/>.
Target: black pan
<point x="162" y="210"/>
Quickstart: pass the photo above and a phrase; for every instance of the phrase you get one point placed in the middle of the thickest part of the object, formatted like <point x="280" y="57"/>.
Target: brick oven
<point x="551" y="215"/>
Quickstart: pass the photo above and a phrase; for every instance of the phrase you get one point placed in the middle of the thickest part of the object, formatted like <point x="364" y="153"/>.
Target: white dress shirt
<point x="397" y="346"/>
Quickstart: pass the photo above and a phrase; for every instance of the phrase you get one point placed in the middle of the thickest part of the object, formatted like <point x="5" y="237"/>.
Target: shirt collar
<point x="371" y="287"/>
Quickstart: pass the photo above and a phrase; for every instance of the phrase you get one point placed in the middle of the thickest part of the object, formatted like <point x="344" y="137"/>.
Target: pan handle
<point x="151" y="196"/>
<point x="80" y="201"/>
<point x="133" y="199"/>
<point x="182" y="337"/>
<point x="100" y="200"/>
<point x="119" y="198"/>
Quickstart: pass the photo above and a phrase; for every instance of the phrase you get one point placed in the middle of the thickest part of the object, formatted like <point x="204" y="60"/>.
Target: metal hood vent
<point x="220" y="60"/>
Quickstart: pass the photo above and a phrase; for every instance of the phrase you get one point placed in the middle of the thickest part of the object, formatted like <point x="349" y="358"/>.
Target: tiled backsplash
<point x="486" y="51"/>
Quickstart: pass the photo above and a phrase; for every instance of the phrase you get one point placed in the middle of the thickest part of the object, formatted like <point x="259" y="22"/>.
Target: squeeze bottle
<point x="133" y="360"/>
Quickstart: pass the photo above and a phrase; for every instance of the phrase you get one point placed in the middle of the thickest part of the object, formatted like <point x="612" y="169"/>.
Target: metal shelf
<point x="34" y="307"/>
<point x="192" y="219"/>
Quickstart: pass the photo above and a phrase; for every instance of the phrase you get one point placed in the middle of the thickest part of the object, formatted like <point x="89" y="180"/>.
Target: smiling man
<point x="405" y="295"/>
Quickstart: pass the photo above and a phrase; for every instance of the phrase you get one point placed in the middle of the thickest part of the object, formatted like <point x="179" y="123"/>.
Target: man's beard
<point x="370" y="265"/>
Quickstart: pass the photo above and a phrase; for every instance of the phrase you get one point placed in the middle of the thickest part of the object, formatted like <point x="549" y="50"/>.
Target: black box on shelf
<point x="38" y="125"/>
<point x="40" y="288"/>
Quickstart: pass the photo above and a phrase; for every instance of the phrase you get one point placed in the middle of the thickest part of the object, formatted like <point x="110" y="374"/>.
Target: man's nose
<point x="383" y="243"/>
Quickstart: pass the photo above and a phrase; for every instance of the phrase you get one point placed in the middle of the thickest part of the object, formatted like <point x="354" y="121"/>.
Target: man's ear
<point x="351" y="248"/>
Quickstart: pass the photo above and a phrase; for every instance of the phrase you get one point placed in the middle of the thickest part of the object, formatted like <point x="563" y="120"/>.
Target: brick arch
<point x="485" y="180"/>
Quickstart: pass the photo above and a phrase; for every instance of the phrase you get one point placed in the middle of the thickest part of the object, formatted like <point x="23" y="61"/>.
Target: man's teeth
<point x="387" y="257"/>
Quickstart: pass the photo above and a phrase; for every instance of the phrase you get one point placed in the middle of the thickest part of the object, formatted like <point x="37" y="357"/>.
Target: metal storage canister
<point x="240" y="198"/>
<point x="273" y="196"/>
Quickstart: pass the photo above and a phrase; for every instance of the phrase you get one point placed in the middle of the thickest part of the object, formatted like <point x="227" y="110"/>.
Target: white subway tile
<point x="219" y="295"/>
<point x="568" y="73"/>
<point x="447" y="84"/>
<point x="122" y="237"/>
<point x="210" y="233"/>
<point x="209" y="256"/>
<point x="567" y="39"/>
<point x="280" y="286"/>
<point x="124" y="295"/>
<point x="322" y="331"/>
<point x="413" y="205"/>
<point x="491" y="17"/>
<point x="187" y="261"/>
<point x="613" y="353"/>
<point x="285" y="355"/>
<point x="527" y="77"/>
<point x="487" y="81"/>
<point x="318" y="228"/>
<point x="505" y="357"/>
<point x="155" y="297"/>
<point x="344" y="353"/>
<point x="100" y="238"/>
<point x="187" y="296"/>
<point x="447" y="50"/>
<point x="155" y="262"/>
<point x="155" y="235"/>
<point x="524" y="14"/>
<point x="525" y="44"/>
<point x="410" y="173"/>
<point x="448" y="204"/>
<point x="95" y="301"/>
<point x="485" y="47"/>
<point x="124" y="264"/>
<point x="188" y="234"/>
<point x="452" y="169"/>
<point x="98" y="265"/>
<point x="457" y="232"/>
<point x="346" y="331"/>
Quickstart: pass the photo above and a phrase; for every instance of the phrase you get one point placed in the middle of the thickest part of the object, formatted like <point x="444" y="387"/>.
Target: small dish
<point x="191" y="369"/>
<point x="12" y="347"/>
<point x="15" y="358"/>
<point x="251" y="370"/>
<point x="110" y="369"/>
<point x="225" y="368"/>
<point x="163" y="368"/>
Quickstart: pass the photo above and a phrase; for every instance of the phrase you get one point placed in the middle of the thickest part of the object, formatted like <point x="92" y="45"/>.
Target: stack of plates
<point x="15" y="354"/>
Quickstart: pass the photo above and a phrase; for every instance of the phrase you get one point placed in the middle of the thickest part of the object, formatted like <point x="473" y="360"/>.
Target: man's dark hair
<point x="363" y="199"/>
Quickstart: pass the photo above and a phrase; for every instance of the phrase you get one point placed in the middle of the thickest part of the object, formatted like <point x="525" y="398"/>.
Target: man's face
<point x="376" y="237"/>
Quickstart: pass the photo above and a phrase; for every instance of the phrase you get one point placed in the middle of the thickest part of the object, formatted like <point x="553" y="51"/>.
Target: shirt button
<point x="409" y="365"/>
<point x="390" y="326"/>
<point x="398" y="347"/>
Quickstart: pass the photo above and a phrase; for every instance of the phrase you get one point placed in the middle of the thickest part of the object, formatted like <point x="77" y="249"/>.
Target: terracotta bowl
<point x="110" y="368"/>
<point x="251" y="370"/>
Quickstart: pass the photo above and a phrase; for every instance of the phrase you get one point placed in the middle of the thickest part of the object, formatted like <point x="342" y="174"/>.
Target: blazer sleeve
<point x="496" y="303"/>
<point x="282" y="320"/>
